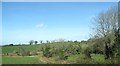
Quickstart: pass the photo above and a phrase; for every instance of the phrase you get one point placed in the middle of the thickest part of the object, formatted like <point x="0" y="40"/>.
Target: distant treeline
<point x="31" y="42"/>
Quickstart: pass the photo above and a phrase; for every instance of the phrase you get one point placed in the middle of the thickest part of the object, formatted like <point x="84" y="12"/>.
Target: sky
<point x="60" y="0"/>
<point x="25" y="21"/>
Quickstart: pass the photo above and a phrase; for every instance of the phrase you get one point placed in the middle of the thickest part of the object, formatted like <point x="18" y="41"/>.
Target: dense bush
<point x="98" y="48"/>
<point x="117" y="44"/>
<point x="63" y="52"/>
<point x="62" y="55"/>
<point x="23" y="52"/>
<point x="73" y="49"/>
<point x="88" y="52"/>
<point x="46" y="51"/>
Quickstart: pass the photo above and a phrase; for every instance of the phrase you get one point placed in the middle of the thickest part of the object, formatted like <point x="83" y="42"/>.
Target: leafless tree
<point x="105" y="25"/>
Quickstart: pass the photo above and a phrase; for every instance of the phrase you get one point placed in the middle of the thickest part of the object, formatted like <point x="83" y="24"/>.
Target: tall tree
<point x="47" y="41"/>
<point x="105" y="25"/>
<point x="41" y="42"/>
<point x="36" y="42"/>
<point x="106" y="22"/>
<point x="31" y="42"/>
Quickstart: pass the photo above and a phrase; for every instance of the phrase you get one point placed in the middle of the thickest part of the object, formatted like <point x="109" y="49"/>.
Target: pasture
<point x="59" y="58"/>
<point x="20" y="60"/>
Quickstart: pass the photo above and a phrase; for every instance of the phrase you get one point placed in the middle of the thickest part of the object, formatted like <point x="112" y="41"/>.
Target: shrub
<point x="22" y="52"/>
<point x="98" y="48"/>
<point x="88" y="52"/>
<point x="73" y="49"/>
<point x="62" y="55"/>
<point x="46" y="51"/>
<point x="63" y="52"/>
<point x="77" y="49"/>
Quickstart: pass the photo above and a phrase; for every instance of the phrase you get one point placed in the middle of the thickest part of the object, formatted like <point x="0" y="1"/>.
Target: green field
<point x="10" y="49"/>
<point x="77" y="59"/>
<point x="33" y="60"/>
<point x="40" y="59"/>
<point x="20" y="60"/>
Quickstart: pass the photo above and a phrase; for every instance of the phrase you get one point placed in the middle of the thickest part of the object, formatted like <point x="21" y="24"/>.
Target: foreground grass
<point x="20" y="60"/>
<point x="82" y="59"/>
<point x="73" y="59"/>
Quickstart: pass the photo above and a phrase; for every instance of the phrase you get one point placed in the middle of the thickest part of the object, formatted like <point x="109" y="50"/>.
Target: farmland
<point x="10" y="49"/>
<point x="41" y="59"/>
<point x="20" y="60"/>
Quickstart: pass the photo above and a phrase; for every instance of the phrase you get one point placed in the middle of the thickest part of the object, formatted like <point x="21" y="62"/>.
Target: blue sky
<point x="25" y="21"/>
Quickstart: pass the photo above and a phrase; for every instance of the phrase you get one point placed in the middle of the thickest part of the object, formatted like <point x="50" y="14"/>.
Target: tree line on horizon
<point x="34" y="42"/>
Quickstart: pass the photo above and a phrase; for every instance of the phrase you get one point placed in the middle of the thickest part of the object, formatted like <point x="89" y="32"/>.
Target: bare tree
<point x="106" y="23"/>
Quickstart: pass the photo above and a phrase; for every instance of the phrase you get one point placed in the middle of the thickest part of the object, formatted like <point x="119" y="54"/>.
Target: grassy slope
<point x="11" y="49"/>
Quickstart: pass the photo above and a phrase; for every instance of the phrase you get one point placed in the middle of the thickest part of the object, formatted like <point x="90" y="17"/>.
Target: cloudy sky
<point x="25" y="21"/>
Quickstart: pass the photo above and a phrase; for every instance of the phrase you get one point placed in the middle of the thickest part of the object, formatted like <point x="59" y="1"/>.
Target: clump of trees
<point x="31" y="42"/>
<point x="62" y="52"/>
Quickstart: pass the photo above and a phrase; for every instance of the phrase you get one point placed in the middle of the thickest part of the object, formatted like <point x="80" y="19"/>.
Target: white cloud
<point x="40" y="26"/>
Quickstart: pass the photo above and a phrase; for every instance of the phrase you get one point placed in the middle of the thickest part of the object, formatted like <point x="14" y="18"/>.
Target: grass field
<point x="40" y="59"/>
<point x="79" y="59"/>
<point x="20" y="60"/>
<point x="32" y="60"/>
<point x="11" y="49"/>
